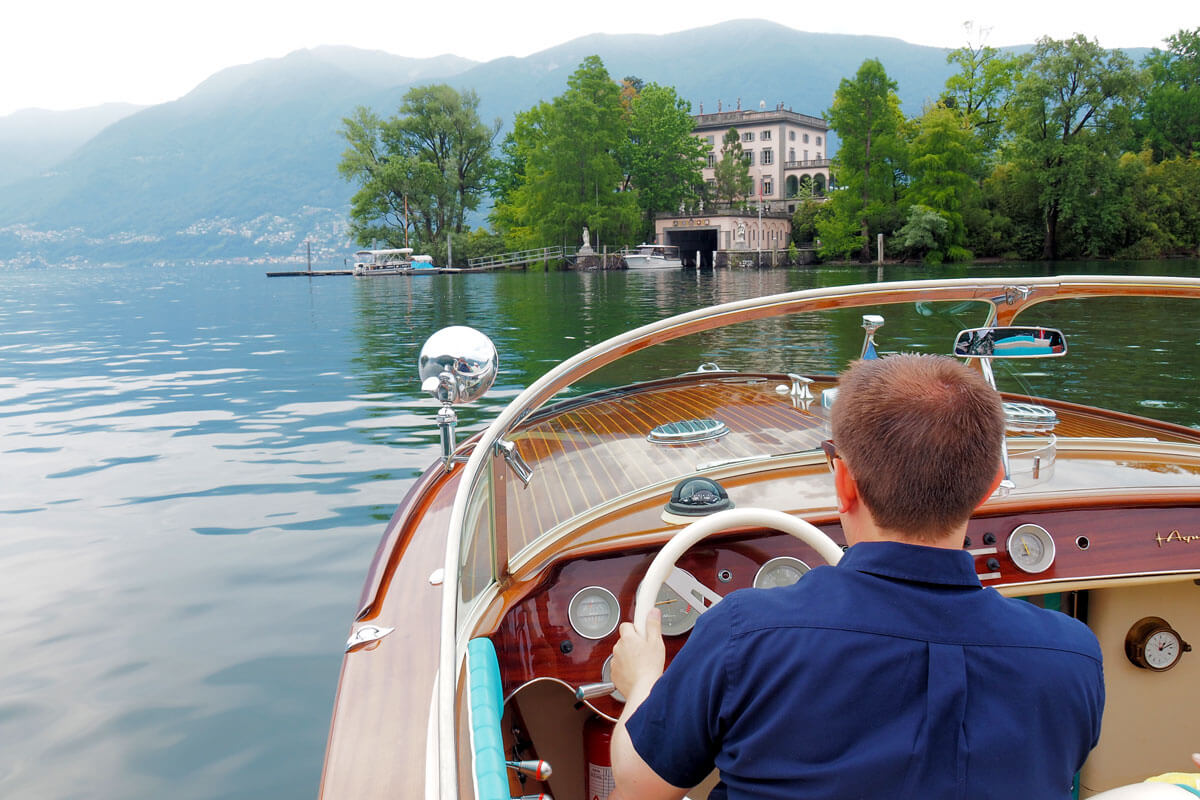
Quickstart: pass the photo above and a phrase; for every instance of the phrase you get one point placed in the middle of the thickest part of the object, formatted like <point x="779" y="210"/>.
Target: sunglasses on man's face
<point x="830" y="452"/>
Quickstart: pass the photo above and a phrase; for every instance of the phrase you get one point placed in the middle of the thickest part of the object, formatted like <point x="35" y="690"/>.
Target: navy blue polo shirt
<point x="892" y="675"/>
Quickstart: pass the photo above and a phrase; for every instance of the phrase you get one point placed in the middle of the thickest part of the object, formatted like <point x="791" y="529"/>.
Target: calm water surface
<point x="197" y="465"/>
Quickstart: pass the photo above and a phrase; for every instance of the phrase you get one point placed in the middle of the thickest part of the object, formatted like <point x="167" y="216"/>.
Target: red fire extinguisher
<point x="597" y="740"/>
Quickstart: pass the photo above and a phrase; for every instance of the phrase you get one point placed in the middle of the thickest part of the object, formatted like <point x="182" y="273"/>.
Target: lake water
<point x="197" y="465"/>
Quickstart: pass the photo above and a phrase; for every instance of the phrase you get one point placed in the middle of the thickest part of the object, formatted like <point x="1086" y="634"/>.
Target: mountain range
<point x="244" y="167"/>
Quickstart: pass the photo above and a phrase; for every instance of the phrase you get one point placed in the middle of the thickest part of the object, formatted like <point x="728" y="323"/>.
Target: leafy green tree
<point x="419" y="173"/>
<point x="1169" y="114"/>
<point x="839" y="232"/>
<point x="804" y="221"/>
<point x="663" y="160"/>
<point x="866" y="115"/>
<point x="511" y="214"/>
<point x="979" y="92"/>
<point x="732" y="172"/>
<point x="925" y="233"/>
<point x="1069" y="118"/>
<point x="566" y="154"/>
<point x="943" y="158"/>
<point x="1161" y="213"/>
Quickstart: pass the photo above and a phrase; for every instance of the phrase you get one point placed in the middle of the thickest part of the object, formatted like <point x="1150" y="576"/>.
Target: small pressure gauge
<point x="1153" y="644"/>
<point x="780" y="571"/>
<point x="1031" y="547"/>
<point x="594" y="612"/>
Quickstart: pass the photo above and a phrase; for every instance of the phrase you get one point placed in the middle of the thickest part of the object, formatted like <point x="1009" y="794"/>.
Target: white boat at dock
<point x="653" y="256"/>
<point x="398" y="261"/>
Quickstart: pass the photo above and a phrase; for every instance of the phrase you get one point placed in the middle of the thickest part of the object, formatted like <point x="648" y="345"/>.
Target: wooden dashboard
<point x="1093" y="546"/>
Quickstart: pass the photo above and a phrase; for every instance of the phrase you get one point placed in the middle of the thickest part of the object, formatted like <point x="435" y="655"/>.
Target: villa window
<point x="818" y="142"/>
<point x="750" y="158"/>
<point x="806" y="155"/>
<point x="791" y="154"/>
<point x="765" y="136"/>
<point x="748" y="136"/>
<point x="818" y="155"/>
<point x="768" y="186"/>
<point x="768" y="156"/>
<point x="712" y="161"/>
<point x="791" y="136"/>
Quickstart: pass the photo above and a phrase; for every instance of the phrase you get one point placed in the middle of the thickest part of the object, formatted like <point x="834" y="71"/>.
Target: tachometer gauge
<point x="779" y="571"/>
<point x="1031" y="548"/>
<point x="678" y="615"/>
<point x="594" y="612"/>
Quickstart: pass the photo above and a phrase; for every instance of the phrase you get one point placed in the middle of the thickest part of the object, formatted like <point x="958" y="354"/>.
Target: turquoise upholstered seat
<point x="486" y="702"/>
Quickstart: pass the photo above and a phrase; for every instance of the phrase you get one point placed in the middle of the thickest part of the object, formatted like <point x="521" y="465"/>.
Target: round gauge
<point x="678" y="615"/>
<point x="606" y="676"/>
<point x="1031" y="548"/>
<point x="594" y="612"/>
<point x="779" y="571"/>
<point x="1153" y="644"/>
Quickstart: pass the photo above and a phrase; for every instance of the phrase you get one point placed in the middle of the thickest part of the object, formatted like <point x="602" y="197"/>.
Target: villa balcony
<point x="808" y="164"/>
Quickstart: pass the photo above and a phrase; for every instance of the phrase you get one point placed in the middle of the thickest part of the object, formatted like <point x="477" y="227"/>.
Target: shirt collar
<point x="913" y="562"/>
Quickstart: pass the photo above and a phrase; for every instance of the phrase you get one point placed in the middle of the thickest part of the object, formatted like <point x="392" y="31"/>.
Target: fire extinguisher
<point x="597" y="741"/>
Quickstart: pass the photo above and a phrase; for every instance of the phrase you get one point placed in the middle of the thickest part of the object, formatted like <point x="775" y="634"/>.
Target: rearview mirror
<point x="1010" y="343"/>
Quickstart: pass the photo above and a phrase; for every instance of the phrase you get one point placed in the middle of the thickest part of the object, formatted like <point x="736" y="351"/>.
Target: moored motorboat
<point x="653" y="256"/>
<point x="397" y="261"/>
<point x="491" y="606"/>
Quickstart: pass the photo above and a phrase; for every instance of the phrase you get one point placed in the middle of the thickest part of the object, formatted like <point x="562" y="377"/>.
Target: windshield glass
<point x="592" y="448"/>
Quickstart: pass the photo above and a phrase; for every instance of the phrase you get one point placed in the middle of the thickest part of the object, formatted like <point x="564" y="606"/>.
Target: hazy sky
<point x="62" y="54"/>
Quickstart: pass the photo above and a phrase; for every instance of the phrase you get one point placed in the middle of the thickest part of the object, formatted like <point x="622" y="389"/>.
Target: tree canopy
<point x="566" y="167"/>
<point x="420" y="172"/>
<point x="1069" y="150"/>
<point x="732" y="171"/>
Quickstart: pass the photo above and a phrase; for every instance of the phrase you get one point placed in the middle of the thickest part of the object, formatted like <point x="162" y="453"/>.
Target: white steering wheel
<point x="664" y="562"/>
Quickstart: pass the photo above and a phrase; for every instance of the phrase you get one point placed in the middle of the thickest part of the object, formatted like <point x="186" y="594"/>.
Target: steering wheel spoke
<point x="663" y="570"/>
<point x="696" y="594"/>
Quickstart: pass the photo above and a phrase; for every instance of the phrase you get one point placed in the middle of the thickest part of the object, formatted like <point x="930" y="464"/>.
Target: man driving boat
<point x="893" y="674"/>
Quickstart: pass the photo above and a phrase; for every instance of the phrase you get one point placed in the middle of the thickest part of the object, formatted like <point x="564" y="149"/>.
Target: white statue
<point x="741" y="232"/>
<point x="586" y="237"/>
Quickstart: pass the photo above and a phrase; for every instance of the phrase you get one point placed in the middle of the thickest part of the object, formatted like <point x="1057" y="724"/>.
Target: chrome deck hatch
<point x="688" y="431"/>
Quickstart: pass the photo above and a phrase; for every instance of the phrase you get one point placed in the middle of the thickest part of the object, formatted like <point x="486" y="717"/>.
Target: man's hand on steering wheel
<point x="639" y="657"/>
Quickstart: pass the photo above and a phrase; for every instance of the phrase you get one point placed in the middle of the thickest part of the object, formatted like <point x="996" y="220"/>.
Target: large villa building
<point x="787" y="157"/>
<point x="785" y="150"/>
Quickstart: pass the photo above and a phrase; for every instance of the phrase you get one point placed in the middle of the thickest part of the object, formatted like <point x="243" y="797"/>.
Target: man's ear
<point x="844" y="483"/>
<point x="999" y="476"/>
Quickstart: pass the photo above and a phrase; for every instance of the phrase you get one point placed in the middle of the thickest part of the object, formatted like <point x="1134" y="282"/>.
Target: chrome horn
<point x="457" y="365"/>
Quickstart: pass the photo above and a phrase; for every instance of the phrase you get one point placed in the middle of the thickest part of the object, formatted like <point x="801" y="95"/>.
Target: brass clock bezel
<point x="1139" y="635"/>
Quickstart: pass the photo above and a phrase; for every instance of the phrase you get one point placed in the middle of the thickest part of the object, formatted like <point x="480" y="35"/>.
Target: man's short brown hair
<point x="921" y="435"/>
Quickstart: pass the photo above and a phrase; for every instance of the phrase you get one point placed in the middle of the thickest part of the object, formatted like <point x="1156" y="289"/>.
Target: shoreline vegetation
<point x="1068" y="151"/>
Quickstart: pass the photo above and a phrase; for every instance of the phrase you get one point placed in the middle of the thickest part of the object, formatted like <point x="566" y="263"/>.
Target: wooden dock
<point x="435" y="270"/>
<point x="311" y="273"/>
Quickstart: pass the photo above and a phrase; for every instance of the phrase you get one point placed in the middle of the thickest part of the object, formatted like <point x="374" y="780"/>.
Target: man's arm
<point x="638" y="661"/>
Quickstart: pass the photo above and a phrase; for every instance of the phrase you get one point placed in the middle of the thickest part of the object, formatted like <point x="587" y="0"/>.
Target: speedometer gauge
<point x="594" y="612"/>
<point x="678" y="615"/>
<point x="779" y="571"/>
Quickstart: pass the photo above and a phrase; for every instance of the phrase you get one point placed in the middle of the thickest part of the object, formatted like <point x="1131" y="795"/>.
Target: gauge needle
<point x="666" y="602"/>
<point x="1025" y="544"/>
